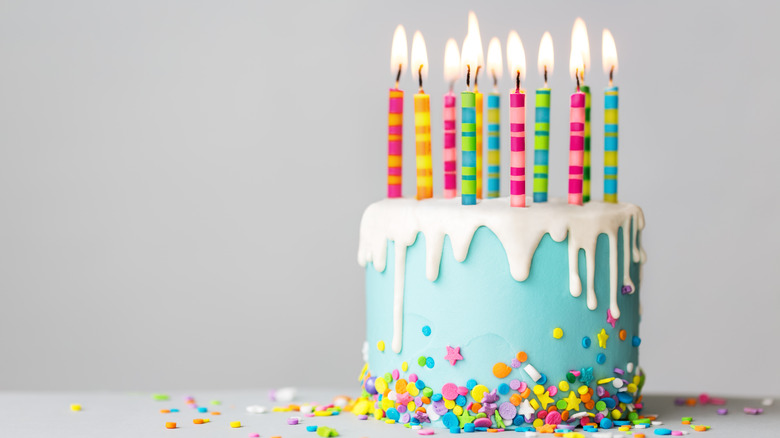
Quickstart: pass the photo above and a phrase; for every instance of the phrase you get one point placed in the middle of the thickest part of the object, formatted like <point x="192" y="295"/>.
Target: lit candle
<point x="422" y="120"/>
<point x="473" y="30"/>
<point x="395" y="119"/>
<point x="495" y="67"/>
<point x="542" y="128"/>
<point x="579" y="36"/>
<point x="609" y="57"/>
<point x="515" y="56"/>
<point x="451" y="74"/>
<point x="577" y="128"/>
<point x="468" y="170"/>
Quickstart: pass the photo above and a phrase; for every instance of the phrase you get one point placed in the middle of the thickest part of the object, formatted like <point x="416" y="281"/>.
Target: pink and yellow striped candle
<point x="479" y="107"/>
<point x="450" y="151"/>
<point x="395" y="129"/>
<point x="576" y="147"/>
<point x="517" y="153"/>
<point x="422" y="135"/>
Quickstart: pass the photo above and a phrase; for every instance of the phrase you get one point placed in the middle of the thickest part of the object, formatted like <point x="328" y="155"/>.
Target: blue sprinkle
<point x="503" y="389"/>
<point x="450" y="421"/>
<point x="419" y="384"/>
<point x="481" y="429"/>
<point x="622" y="423"/>
<point x="334" y="413"/>
<point x="635" y="341"/>
<point x="174" y="410"/>
<point x="542" y="380"/>
<point x="586" y="342"/>
<point x="436" y="397"/>
<point x="518" y="420"/>
<point x="393" y="414"/>
<point x="426" y="330"/>
<point x="469" y="427"/>
<point x="590" y="429"/>
<point x="460" y="400"/>
<point x="601" y="358"/>
<point x="605" y="423"/>
<point x="610" y="402"/>
<point x="662" y="431"/>
<point x="429" y="362"/>
<point x="203" y="409"/>
<point x="624" y="397"/>
<point x="311" y="428"/>
<point x="455" y="430"/>
<point x="471" y="384"/>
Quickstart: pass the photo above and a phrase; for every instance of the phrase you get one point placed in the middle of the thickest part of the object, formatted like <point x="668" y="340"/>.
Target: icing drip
<point x="518" y="229"/>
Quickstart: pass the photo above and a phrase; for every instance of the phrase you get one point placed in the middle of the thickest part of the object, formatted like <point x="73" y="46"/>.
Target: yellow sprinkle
<point x="361" y="407"/>
<point x="457" y="410"/>
<point x="280" y="409"/>
<point x="207" y="420"/>
<point x="538" y="422"/>
<point x="478" y="392"/>
<point x="411" y="406"/>
<point x="389" y="421"/>
<point x="449" y="404"/>
<point x="387" y="404"/>
<point x="624" y="428"/>
<point x="380" y="345"/>
<point x="563" y="385"/>
<point x="322" y="413"/>
<point x="582" y="389"/>
<point x="631" y="387"/>
<point x="615" y="414"/>
<point x="607" y="380"/>
<point x="75" y="408"/>
<point x="378" y="414"/>
<point x="405" y="366"/>
<point x="235" y="424"/>
<point x="538" y="389"/>
<point x="534" y="404"/>
<point x="380" y="384"/>
<point x="558" y="333"/>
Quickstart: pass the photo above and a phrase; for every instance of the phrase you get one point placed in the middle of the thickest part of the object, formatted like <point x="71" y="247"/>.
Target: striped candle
<point x="422" y="137"/>
<point x="450" y="152"/>
<point x="494" y="145"/>
<point x="576" y="147"/>
<point x="610" y="144"/>
<point x="395" y="128"/>
<point x="478" y="108"/>
<point x="542" y="144"/>
<point x="517" y="152"/>
<point x="586" y="147"/>
<point x="468" y="139"/>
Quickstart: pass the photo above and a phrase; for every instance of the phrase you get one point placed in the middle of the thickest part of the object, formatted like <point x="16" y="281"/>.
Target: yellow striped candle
<point x="422" y="135"/>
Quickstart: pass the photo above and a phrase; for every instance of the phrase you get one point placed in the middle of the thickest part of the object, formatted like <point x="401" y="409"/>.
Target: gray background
<point x="181" y="183"/>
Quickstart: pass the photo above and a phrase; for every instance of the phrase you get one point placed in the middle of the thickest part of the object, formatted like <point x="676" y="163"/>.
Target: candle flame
<point x="580" y="49"/>
<point x="469" y="56"/>
<point x="451" y="61"/>
<point x="419" y="56"/>
<point x="608" y="52"/>
<point x="399" y="52"/>
<point x="515" y="55"/>
<point x="495" y="63"/>
<point x="474" y="30"/>
<point x="546" y="57"/>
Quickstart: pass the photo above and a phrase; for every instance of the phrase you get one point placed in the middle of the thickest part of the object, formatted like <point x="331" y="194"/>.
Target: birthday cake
<point x="494" y="317"/>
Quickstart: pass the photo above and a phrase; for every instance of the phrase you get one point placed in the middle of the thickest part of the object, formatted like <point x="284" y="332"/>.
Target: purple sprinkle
<point x="619" y="371"/>
<point x="679" y="402"/>
<point x="405" y="418"/>
<point x="626" y="289"/>
<point x="292" y="421"/>
<point x="401" y="408"/>
<point x="362" y="417"/>
<point x="723" y="411"/>
<point x="418" y="400"/>
<point x="516" y="363"/>
<point x="272" y="395"/>
<point x="751" y="411"/>
<point x="599" y="417"/>
<point x="514" y="384"/>
<point x="600" y="391"/>
<point x="565" y="426"/>
<point x="507" y="410"/>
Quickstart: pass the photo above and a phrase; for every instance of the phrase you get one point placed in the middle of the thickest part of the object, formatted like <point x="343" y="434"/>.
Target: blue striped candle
<point x="610" y="144"/>
<point x="468" y="170"/>
<point x="494" y="146"/>
<point x="542" y="144"/>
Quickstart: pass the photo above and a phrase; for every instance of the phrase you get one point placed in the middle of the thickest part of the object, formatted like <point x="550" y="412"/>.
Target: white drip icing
<point x="518" y="229"/>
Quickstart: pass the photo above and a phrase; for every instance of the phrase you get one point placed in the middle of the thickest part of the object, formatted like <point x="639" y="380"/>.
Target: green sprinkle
<point x="215" y="402"/>
<point x="388" y="378"/>
<point x="561" y="404"/>
<point x="427" y="392"/>
<point x="570" y="377"/>
<point x="641" y="420"/>
<point x="160" y="397"/>
<point x="600" y="406"/>
<point x="687" y="419"/>
<point x="481" y="415"/>
<point x="499" y="421"/>
<point x="326" y="431"/>
<point x="421" y="361"/>
<point x="633" y="416"/>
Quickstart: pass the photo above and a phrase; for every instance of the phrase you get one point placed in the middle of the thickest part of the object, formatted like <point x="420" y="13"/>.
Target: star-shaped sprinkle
<point x="453" y="355"/>
<point x="465" y="418"/>
<point x="544" y="399"/>
<point x="526" y="410"/>
<point x="603" y="336"/>
<point x="572" y="401"/>
<point x="586" y="375"/>
<point x="610" y="320"/>
<point x="422" y="417"/>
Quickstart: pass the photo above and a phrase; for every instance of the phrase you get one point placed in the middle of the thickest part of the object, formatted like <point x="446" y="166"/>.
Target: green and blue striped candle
<point x="586" y="151"/>
<point x="468" y="128"/>
<point x="542" y="144"/>
<point x="610" y="144"/>
<point x="494" y="145"/>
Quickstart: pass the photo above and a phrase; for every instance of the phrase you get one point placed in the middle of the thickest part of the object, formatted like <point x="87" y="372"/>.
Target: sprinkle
<point x="311" y="428"/>
<point x="557" y="333"/>
<point x="326" y="432"/>
<point x="501" y="370"/>
<point x="235" y="424"/>
<point x="602" y="337"/>
<point x="635" y="341"/>
<point x="429" y="362"/>
<point x="425" y="432"/>
<point x="767" y="402"/>
<point x="165" y="411"/>
<point x="753" y="411"/>
<point x="610" y="319"/>
<point x="380" y="345"/>
<point x="255" y="409"/>
<point x="170" y="425"/>
<point x="426" y="330"/>
<point x="421" y="361"/>
<point x="216" y="413"/>
<point x="627" y="289"/>
<point x="75" y="407"/>
<point x="585" y="342"/>
<point x="532" y="372"/>
<point x="197" y="420"/>
<point x="160" y="397"/>
<point x="254" y="435"/>
<point x="662" y="431"/>
<point x="522" y="356"/>
<point x="292" y="421"/>
<point x="622" y="335"/>
<point x="700" y="428"/>
<point x="453" y="355"/>
<point x="215" y="402"/>
<point x="723" y="411"/>
<point x="203" y="409"/>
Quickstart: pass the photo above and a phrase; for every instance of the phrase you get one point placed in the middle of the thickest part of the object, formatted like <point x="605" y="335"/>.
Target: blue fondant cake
<point x="501" y="316"/>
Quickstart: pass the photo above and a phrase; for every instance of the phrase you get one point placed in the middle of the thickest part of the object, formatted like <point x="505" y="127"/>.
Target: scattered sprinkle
<point x="160" y="397"/>
<point x="170" y="425"/>
<point x="235" y="424"/>
<point x="75" y="407"/>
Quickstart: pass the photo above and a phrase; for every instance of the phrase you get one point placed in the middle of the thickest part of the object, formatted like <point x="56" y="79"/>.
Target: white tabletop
<point x="124" y="414"/>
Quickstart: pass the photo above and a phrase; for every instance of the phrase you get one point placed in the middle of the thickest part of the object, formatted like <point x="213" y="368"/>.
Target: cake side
<point x="486" y="311"/>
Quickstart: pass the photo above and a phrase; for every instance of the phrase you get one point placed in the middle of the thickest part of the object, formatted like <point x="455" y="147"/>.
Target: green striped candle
<point x="542" y="144"/>
<point x="468" y="128"/>
<point x="586" y="151"/>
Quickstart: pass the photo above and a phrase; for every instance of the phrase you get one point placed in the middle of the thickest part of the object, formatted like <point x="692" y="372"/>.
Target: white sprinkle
<point x="630" y="367"/>
<point x="768" y="402"/>
<point x="285" y="394"/>
<point x="601" y="434"/>
<point x="617" y="383"/>
<point x="529" y="433"/>
<point x="657" y="423"/>
<point x="532" y="373"/>
<point x="578" y="415"/>
<point x="255" y="409"/>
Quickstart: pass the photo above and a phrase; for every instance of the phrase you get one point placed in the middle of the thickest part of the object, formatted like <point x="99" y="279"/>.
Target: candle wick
<point x="476" y="78"/>
<point x="517" y="81"/>
<point x="468" y="77"/>
<point x="452" y="86"/>
<point x="545" y="76"/>
<point x="495" y="79"/>
<point x="577" y="76"/>
<point x="611" y="71"/>
<point x="398" y="76"/>
<point x="419" y="75"/>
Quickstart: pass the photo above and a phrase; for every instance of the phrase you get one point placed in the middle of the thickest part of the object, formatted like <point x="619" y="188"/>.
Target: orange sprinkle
<point x="216" y="413"/>
<point x="515" y="399"/>
<point x="639" y="435"/>
<point x="686" y="422"/>
<point x="522" y="357"/>
<point x="400" y="386"/>
<point x="585" y="397"/>
<point x="526" y="393"/>
<point x="295" y="408"/>
<point x="552" y="408"/>
<point x="700" y="428"/>
<point x="420" y="409"/>
<point x="501" y="370"/>
<point x="690" y="402"/>
<point x="492" y="430"/>
<point x="547" y="428"/>
<point x="475" y="407"/>
<point x="622" y="335"/>
<point x="387" y="391"/>
<point x="426" y="400"/>
<point x="558" y="434"/>
<point x="170" y="425"/>
<point x="565" y="415"/>
<point x="590" y="404"/>
<point x="165" y="411"/>
<point x="197" y="420"/>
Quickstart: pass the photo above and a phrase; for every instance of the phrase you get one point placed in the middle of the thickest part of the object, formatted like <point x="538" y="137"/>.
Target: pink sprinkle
<point x="462" y="390"/>
<point x="522" y="387"/>
<point x="704" y="398"/>
<point x="718" y="401"/>
<point x="752" y="411"/>
<point x="309" y="415"/>
<point x="676" y="433"/>
<point x="553" y="390"/>
<point x="425" y="432"/>
<point x="468" y="406"/>
<point x="449" y="391"/>
<point x="412" y="377"/>
<point x="723" y="411"/>
<point x="292" y="421"/>
<point x="396" y="374"/>
<point x="576" y="373"/>
<point x="254" y="435"/>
